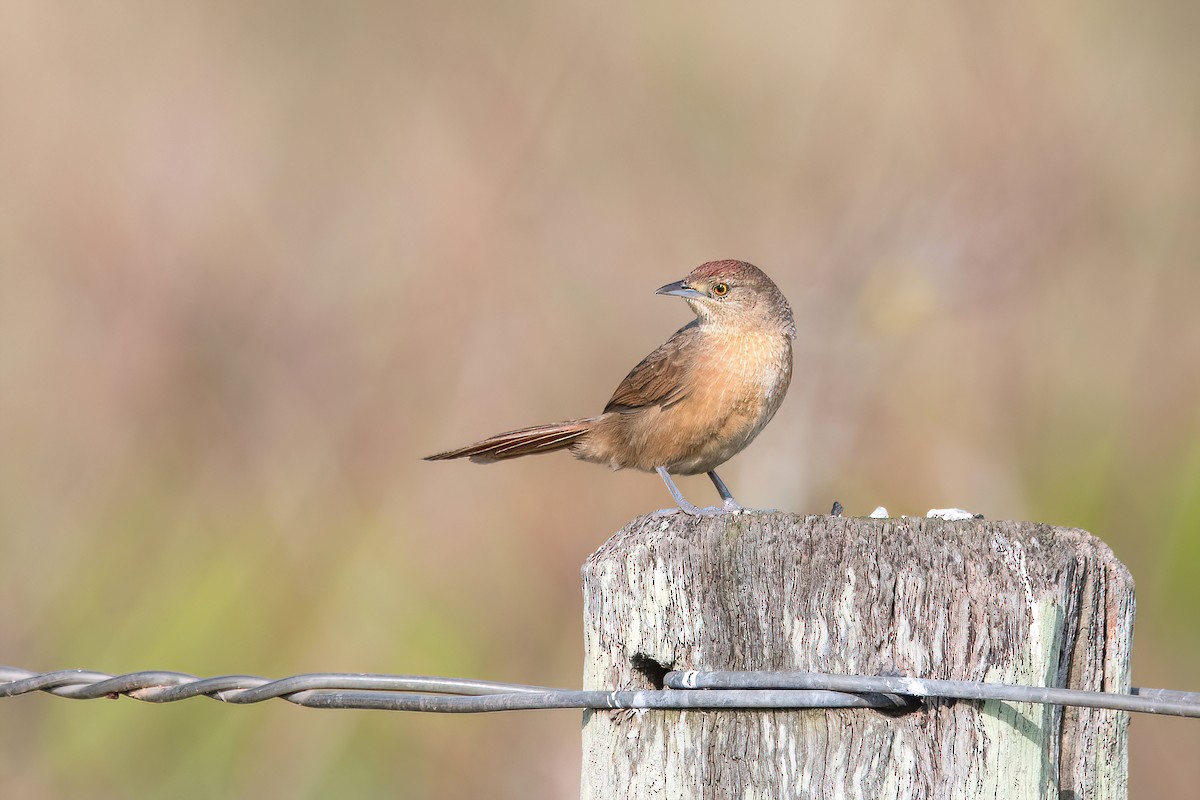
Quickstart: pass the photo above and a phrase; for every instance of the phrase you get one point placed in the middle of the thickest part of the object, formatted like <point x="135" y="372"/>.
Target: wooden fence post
<point x="973" y="600"/>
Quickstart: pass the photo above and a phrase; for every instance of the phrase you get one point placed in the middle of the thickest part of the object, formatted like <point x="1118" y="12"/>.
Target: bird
<point x="695" y="401"/>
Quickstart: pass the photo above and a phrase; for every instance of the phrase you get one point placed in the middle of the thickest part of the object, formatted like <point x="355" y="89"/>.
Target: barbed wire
<point x="684" y="690"/>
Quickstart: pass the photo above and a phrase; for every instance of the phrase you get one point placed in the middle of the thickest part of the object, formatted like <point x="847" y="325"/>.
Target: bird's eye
<point x="720" y="289"/>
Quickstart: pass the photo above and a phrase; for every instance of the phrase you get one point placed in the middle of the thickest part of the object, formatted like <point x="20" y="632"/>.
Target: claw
<point x="696" y="511"/>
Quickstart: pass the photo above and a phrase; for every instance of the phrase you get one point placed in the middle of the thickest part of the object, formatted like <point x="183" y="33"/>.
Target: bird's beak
<point x="679" y="289"/>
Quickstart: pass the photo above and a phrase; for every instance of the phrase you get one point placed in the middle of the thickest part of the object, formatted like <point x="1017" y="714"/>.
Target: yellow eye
<point x="720" y="289"/>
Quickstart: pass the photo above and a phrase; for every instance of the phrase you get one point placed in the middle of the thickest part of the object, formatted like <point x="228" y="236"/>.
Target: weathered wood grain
<point x="972" y="600"/>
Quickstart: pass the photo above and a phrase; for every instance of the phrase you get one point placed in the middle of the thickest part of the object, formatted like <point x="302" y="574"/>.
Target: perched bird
<point x="693" y="403"/>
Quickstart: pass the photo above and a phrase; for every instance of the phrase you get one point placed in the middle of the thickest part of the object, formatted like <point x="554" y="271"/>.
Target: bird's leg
<point x="683" y="504"/>
<point x="729" y="504"/>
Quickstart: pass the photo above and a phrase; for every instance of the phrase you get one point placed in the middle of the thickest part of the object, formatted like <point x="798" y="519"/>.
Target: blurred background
<point x="258" y="259"/>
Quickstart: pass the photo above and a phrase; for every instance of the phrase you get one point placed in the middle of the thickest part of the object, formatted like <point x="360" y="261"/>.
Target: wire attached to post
<point x="685" y="690"/>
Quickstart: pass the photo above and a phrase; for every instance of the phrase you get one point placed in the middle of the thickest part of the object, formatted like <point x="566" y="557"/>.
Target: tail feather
<point x="525" y="442"/>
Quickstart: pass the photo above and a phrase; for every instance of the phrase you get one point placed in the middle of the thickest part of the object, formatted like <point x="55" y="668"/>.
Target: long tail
<point x="525" y="442"/>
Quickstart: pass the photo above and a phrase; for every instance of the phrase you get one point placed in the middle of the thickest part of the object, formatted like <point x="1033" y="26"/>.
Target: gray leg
<point x="729" y="503"/>
<point x="683" y="504"/>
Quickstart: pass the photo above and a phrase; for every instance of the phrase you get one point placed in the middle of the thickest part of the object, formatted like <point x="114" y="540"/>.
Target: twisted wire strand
<point x="685" y="690"/>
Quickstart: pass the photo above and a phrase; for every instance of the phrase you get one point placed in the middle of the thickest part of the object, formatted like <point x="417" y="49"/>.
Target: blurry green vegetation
<point x="257" y="261"/>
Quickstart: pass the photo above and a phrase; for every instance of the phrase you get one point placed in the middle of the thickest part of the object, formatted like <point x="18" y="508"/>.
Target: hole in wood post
<point x="651" y="669"/>
<point x="910" y="705"/>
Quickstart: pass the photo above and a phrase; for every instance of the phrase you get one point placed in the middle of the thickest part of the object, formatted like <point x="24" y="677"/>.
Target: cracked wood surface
<point x="972" y="600"/>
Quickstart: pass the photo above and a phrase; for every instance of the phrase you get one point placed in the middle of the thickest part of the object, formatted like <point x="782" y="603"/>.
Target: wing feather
<point x="659" y="379"/>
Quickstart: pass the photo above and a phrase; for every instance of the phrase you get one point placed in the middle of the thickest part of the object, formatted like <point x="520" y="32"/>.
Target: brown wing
<point x="659" y="379"/>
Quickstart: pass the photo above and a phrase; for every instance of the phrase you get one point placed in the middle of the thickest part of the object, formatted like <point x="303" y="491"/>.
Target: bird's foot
<point x="692" y="511"/>
<point x="709" y="511"/>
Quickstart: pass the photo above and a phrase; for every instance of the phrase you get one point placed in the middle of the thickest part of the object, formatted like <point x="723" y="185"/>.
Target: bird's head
<point x="734" y="293"/>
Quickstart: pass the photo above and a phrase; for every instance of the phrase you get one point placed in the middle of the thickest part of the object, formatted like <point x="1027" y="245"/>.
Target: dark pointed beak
<point x="679" y="289"/>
